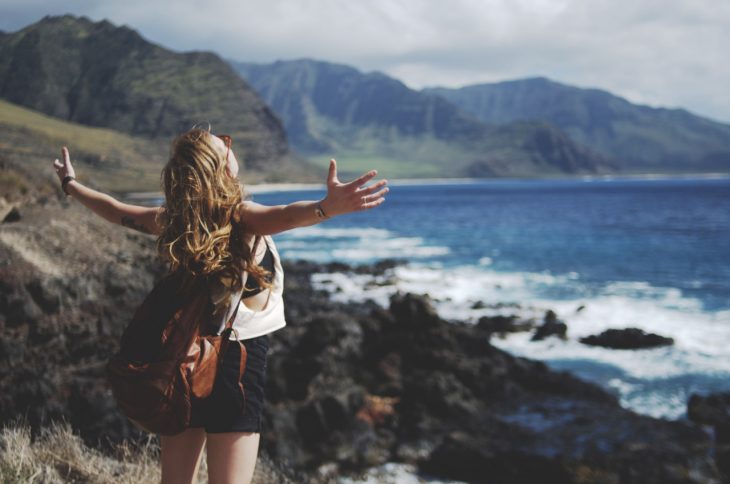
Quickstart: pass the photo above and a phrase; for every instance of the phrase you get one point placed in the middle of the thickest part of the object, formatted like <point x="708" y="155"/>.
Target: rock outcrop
<point x="551" y="325"/>
<point x="627" y="338"/>
<point x="713" y="411"/>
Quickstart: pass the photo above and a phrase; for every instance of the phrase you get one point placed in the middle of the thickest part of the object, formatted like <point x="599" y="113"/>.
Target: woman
<point x="206" y="229"/>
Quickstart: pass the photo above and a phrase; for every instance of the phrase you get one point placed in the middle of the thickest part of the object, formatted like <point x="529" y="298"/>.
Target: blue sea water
<point x="647" y="253"/>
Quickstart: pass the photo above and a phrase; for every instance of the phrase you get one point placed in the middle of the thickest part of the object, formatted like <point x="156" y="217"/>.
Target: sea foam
<point x="654" y="382"/>
<point x="354" y="245"/>
<point x="700" y="353"/>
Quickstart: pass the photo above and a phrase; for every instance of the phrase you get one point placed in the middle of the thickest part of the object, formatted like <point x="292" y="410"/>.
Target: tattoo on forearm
<point x="128" y="221"/>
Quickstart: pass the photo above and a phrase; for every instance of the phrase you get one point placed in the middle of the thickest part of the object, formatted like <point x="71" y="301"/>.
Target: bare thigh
<point x="181" y="456"/>
<point x="232" y="457"/>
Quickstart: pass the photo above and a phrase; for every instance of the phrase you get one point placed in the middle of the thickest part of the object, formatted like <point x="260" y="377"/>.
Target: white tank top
<point x="250" y="323"/>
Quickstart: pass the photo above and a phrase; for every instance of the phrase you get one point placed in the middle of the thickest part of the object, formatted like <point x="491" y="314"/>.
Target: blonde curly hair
<point x="200" y="235"/>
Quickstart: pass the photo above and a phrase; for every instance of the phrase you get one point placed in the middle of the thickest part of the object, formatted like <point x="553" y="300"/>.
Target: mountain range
<point x="637" y="137"/>
<point x="99" y="75"/>
<point x="324" y="106"/>
<point x="102" y="75"/>
<point x="371" y="118"/>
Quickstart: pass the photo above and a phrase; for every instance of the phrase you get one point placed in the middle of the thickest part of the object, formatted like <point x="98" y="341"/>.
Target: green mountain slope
<point x="103" y="158"/>
<point x="98" y="74"/>
<point x="640" y="138"/>
<point x="372" y="119"/>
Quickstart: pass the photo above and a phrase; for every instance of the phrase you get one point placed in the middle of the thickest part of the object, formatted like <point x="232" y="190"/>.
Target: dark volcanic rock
<point x="45" y="294"/>
<point x="443" y="380"/>
<point x="330" y="332"/>
<point x="503" y="324"/>
<point x="12" y="216"/>
<point x="412" y="311"/>
<point x="713" y="409"/>
<point x="550" y="326"/>
<point x="461" y="456"/>
<point x="59" y="324"/>
<point x="627" y="338"/>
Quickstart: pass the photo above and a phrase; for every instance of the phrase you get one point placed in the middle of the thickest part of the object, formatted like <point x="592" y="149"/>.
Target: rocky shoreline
<point x="351" y="386"/>
<point x="455" y="406"/>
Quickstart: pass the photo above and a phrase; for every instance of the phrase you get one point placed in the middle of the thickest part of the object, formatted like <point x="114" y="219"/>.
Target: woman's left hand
<point x="64" y="169"/>
<point x="352" y="196"/>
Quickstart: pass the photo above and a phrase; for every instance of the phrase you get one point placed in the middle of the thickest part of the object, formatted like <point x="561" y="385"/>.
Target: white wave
<point x="360" y="244"/>
<point x="700" y="337"/>
<point x="659" y="404"/>
<point x="393" y="473"/>
<point x="311" y="255"/>
<point x="622" y="386"/>
<point x="368" y="253"/>
<point x="334" y="232"/>
<point x="359" y="254"/>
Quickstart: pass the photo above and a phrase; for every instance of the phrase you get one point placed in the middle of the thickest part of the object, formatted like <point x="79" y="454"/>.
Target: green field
<point x="103" y="158"/>
<point x="113" y="161"/>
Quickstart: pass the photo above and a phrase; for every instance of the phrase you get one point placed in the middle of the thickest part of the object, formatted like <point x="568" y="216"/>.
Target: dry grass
<point x="58" y="455"/>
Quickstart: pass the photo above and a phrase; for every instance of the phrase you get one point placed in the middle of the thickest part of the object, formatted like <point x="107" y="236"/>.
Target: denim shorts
<point x="224" y="409"/>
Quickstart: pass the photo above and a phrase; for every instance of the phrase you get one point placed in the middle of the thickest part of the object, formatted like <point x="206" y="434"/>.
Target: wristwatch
<point x="320" y="212"/>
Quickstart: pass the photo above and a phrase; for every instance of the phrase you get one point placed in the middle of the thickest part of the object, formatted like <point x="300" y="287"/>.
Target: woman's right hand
<point x="352" y="196"/>
<point x="64" y="169"/>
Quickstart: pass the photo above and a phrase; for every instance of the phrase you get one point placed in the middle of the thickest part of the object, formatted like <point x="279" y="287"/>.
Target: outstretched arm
<point x="135" y="217"/>
<point x="341" y="198"/>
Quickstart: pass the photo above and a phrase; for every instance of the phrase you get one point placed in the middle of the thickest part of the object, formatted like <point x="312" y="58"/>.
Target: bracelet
<point x="320" y="212"/>
<point x="65" y="182"/>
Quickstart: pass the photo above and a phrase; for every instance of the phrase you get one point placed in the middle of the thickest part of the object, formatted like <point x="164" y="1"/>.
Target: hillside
<point x="639" y="138"/>
<point x="112" y="161"/>
<point x="372" y="118"/>
<point x="103" y="158"/>
<point x="99" y="74"/>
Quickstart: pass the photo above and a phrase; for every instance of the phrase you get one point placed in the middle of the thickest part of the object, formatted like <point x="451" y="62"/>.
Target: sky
<point x="668" y="53"/>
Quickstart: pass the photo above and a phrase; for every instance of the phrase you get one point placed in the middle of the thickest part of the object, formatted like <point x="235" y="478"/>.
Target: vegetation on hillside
<point x="59" y="455"/>
<point x="106" y="159"/>
<point x="98" y="74"/>
<point x="335" y="109"/>
<point x="639" y="138"/>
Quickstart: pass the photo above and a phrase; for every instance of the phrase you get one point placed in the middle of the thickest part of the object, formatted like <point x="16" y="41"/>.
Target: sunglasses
<point x="228" y="141"/>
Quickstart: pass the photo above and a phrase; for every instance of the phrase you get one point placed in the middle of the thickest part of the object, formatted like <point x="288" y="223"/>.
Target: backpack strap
<point x="241" y="364"/>
<point x="229" y="329"/>
<point x="226" y="333"/>
<point x="254" y="248"/>
<point x="241" y="370"/>
<point x="243" y="352"/>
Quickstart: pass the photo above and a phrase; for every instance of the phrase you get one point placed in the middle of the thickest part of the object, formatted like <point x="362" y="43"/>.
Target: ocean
<point x="651" y="253"/>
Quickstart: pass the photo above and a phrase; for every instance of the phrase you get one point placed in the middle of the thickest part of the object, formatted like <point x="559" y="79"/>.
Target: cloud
<point x="659" y="52"/>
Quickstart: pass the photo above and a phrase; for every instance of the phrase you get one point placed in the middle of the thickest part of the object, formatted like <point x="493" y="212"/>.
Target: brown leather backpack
<point x="165" y="358"/>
